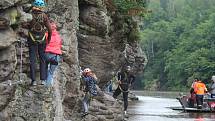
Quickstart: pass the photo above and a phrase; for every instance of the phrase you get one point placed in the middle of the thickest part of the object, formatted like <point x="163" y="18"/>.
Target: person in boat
<point x="199" y="89"/>
<point x="192" y="94"/>
<point x="213" y="87"/>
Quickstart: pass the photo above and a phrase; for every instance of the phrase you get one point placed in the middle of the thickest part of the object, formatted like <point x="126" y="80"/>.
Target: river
<point x="156" y="108"/>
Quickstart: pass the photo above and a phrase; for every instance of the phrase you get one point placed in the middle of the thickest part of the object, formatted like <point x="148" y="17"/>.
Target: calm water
<point x="155" y="108"/>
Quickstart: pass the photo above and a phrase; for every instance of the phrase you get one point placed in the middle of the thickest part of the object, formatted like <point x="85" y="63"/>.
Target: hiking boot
<point x="43" y="82"/>
<point x="33" y="83"/>
<point x="84" y="114"/>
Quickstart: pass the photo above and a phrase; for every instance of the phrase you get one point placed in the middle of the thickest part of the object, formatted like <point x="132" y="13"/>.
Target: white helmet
<point x="86" y="70"/>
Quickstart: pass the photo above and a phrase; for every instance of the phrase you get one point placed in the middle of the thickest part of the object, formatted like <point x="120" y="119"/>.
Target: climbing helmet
<point x="39" y="3"/>
<point x="87" y="70"/>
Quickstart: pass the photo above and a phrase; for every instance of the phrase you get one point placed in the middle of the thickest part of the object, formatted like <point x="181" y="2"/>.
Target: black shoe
<point x="199" y="107"/>
<point x="84" y="114"/>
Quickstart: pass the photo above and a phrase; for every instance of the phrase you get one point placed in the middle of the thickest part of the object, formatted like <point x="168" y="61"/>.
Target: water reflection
<point x="199" y="117"/>
<point x="157" y="109"/>
<point x="202" y="116"/>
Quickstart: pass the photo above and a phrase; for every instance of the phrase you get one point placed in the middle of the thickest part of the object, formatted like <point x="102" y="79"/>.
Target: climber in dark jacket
<point x="125" y="79"/>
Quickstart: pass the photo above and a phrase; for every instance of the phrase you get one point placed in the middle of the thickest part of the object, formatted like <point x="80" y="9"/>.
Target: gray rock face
<point x="7" y="38"/>
<point x="33" y="104"/>
<point x="6" y="96"/>
<point x="7" y="3"/>
<point x="8" y="62"/>
<point x="94" y="21"/>
<point x="104" y="43"/>
<point x="96" y="53"/>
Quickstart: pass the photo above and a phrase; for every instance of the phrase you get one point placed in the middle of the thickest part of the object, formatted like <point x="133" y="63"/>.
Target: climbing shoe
<point x="33" y="83"/>
<point x="43" y="82"/>
<point x="125" y="112"/>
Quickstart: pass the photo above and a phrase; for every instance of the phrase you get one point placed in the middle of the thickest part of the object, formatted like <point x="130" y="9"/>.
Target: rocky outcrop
<point x="30" y="101"/>
<point x="7" y="3"/>
<point x="8" y="62"/>
<point x="92" y="37"/>
<point x="8" y="37"/>
<point x="104" y="43"/>
<point x="21" y="102"/>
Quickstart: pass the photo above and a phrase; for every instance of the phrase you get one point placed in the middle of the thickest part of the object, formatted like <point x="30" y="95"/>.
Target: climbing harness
<point x="37" y="38"/>
<point x="119" y="85"/>
<point x="122" y="89"/>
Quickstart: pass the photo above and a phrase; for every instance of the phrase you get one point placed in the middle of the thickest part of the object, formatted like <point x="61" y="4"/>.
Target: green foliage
<point x="134" y="35"/>
<point x="125" y="5"/>
<point x="179" y="39"/>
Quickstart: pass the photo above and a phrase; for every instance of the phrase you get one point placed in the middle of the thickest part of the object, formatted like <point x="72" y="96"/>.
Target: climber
<point x="52" y="53"/>
<point x="90" y="90"/>
<point x="125" y="79"/>
<point x="36" y="39"/>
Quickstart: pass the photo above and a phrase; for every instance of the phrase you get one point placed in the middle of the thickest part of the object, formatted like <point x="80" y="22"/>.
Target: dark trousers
<point x="199" y="100"/>
<point x="34" y="50"/>
<point x="125" y="94"/>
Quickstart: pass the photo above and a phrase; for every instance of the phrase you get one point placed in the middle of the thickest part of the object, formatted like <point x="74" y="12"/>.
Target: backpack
<point x="37" y="31"/>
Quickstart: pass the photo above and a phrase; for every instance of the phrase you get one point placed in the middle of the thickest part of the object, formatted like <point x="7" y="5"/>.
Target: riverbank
<point x="159" y="94"/>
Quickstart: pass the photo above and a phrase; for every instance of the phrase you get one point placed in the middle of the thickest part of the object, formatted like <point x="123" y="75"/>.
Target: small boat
<point x="188" y="106"/>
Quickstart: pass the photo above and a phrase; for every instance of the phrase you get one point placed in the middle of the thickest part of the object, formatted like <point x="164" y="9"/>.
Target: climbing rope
<point x="21" y="58"/>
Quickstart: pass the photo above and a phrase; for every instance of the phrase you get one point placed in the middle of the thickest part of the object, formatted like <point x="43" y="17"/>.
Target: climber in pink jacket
<point x="52" y="53"/>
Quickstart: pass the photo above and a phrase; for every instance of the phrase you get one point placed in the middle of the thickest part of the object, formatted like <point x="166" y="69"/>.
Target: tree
<point x="180" y="45"/>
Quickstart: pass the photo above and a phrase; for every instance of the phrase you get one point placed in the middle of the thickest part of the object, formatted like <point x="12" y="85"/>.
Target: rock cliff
<point x="93" y="36"/>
